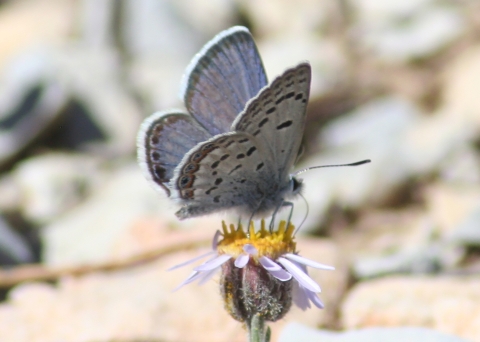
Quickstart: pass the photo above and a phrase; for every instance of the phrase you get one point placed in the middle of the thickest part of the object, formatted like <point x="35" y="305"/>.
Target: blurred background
<point x="397" y="82"/>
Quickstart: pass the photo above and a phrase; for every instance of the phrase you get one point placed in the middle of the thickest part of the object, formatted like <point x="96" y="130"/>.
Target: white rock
<point x="296" y="332"/>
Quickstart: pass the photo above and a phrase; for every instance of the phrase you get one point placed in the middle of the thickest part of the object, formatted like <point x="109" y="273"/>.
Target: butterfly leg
<point x="288" y="204"/>
<point x="272" y="221"/>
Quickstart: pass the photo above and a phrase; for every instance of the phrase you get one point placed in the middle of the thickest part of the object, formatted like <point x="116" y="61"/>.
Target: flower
<point x="261" y="272"/>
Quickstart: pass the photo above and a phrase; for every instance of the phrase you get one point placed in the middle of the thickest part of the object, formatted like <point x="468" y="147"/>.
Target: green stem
<point x="256" y="330"/>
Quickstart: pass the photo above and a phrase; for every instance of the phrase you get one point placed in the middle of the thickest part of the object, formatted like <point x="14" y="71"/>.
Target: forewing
<point x="222" y="78"/>
<point x="276" y="116"/>
<point x="163" y="140"/>
<point x="228" y="171"/>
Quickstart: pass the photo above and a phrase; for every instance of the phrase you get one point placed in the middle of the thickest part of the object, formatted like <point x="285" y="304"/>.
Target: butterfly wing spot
<point x="210" y="190"/>
<point x="215" y="164"/>
<point x="256" y="133"/>
<point x="290" y="94"/>
<point x="251" y="150"/>
<point x="214" y="173"/>
<point x="284" y="124"/>
<point x="299" y="96"/>
<point x="229" y="143"/>
<point x="271" y="110"/>
<point x="263" y="122"/>
<point x="155" y="156"/>
<point x="235" y="169"/>
<point x="190" y="167"/>
<point x="259" y="166"/>
<point x="240" y="156"/>
<point x="243" y="180"/>
<point x="241" y="141"/>
<point x="188" y="194"/>
<point x="279" y="100"/>
<point x="186" y="181"/>
<point x="198" y="157"/>
<point x="159" y="173"/>
<point x="207" y="147"/>
<point x="216" y="199"/>
<point x="225" y="156"/>
<point x="154" y="140"/>
<point x="218" y="181"/>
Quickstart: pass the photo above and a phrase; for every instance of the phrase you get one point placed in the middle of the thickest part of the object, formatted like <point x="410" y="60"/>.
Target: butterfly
<point x="235" y="146"/>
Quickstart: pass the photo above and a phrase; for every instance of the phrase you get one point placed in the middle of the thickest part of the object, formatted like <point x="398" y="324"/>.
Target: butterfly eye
<point x="296" y="185"/>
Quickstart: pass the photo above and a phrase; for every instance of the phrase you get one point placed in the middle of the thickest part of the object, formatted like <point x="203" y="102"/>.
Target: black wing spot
<point x="229" y="143"/>
<point x="225" y="156"/>
<point x="197" y="157"/>
<point x="235" y="169"/>
<point x="299" y="96"/>
<point x="290" y="94"/>
<point x="207" y="147"/>
<point x="216" y="199"/>
<point x="304" y="100"/>
<point x="155" y="140"/>
<point x="185" y="180"/>
<point x="289" y="84"/>
<point x="190" y="167"/>
<point x="280" y="99"/>
<point x="251" y="150"/>
<point x="267" y="102"/>
<point x="243" y="180"/>
<point x="259" y="166"/>
<point x="159" y="172"/>
<point x="214" y="173"/>
<point x="240" y="156"/>
<point x="218" y="181"/>
<point x="155" y="156"/>
<point x="210" y="190"/>
<point x="263" y="122"/>
<point x="285" y="124"/>
<point x="243" y="140"/>
<point x="256" y="133"/>
<point x="222" y="140"/>
<point x="271" y="110"/>
<point x="215" y="164"/>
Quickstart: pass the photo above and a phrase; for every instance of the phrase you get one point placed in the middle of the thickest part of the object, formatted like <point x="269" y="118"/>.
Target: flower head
<point x="261" y="272"/>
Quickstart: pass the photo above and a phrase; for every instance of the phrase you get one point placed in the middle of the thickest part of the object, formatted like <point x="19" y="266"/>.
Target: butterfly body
<point x="236" y="146"/>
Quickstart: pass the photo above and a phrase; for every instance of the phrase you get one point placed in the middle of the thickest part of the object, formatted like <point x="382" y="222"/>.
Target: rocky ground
<point x="85" y="242"/>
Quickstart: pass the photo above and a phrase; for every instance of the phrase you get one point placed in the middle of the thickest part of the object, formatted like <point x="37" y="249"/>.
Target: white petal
<point x="250" y="249"/>
<point x="300" y="297"/>
<point x="206" y="276"/>
<point x="191" y="261"/>
<point x="269" y="264"/>
<point x="314" y="298"/>
<point x="242" y="260"/>
<point x="210" y="265"/>
<point x="307" y="262"/>
<point x="281" y="274"/>
<point x="192" y="277"/>
<point x="299" y="275"/>
<point x="215" y="240"/>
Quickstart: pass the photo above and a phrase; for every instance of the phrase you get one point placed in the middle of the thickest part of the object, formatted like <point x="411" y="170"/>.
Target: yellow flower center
<point x="269" y="244"/>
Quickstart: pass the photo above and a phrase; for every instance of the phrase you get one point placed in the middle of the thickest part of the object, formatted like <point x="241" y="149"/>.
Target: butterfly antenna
<point x="366" y="161"/>
<point x="305" y="217"/>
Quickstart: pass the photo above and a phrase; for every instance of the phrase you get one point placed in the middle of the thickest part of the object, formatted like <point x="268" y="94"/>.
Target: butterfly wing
<point x="163" y="140"/>
<point x="276" y="117"/>
<point x="228" y="171"/>
<point x="222" y="78"/>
